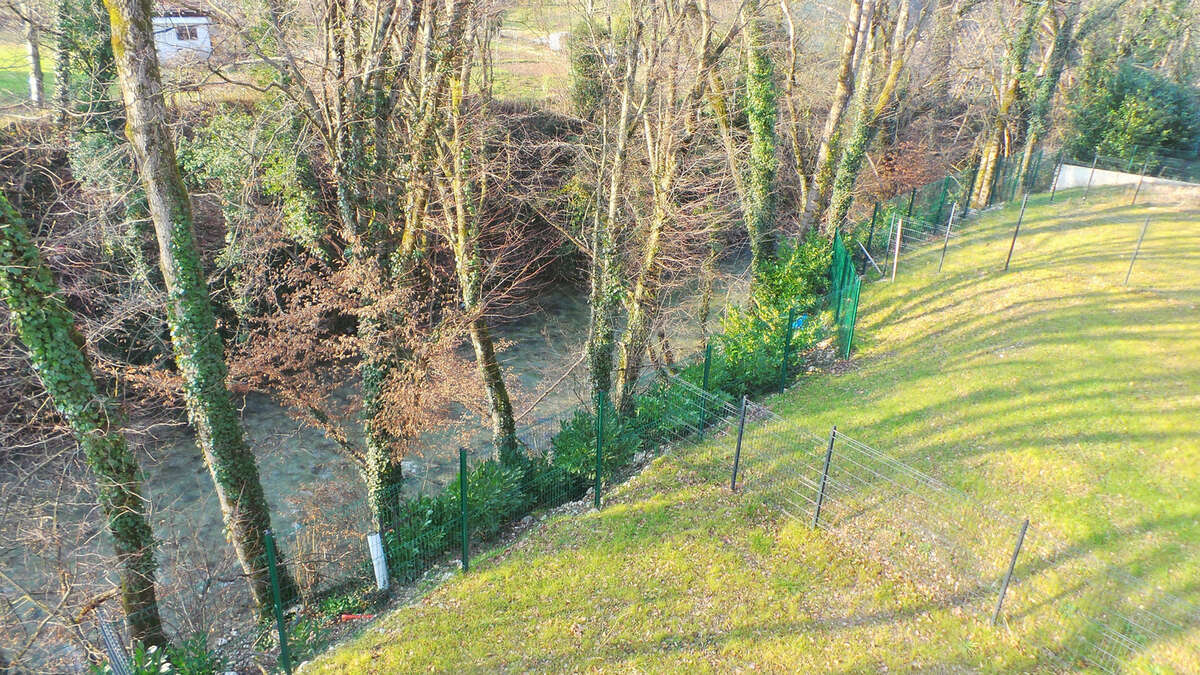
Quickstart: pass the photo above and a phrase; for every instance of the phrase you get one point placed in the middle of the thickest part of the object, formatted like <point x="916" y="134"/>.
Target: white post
<point x="378" y="560"/>
<point x="899" y="237"/>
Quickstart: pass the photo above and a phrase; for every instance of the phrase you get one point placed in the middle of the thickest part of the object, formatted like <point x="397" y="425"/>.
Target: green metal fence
<point x="341" y="580"/>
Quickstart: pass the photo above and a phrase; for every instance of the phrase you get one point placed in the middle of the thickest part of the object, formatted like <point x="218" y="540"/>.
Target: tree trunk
<point x="761" y="111"/>
<point x="855" y="149"/>
<point x="1010" y="94"/>
<point x="47" y="328"/>
<point x="1043" y="98"/>
<point x="605" y="286"/>
<point x="643" y="302"/>
<point x="199" y="352"/>
<point x="37" y="86"/>
<point x="62" y="63"/>
<point x="825" y="166"/>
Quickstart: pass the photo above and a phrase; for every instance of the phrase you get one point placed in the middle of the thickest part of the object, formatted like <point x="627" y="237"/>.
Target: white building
<point x="181" y="35"/>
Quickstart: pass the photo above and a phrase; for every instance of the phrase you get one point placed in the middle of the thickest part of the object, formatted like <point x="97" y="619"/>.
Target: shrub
<point x="575" y="445"/>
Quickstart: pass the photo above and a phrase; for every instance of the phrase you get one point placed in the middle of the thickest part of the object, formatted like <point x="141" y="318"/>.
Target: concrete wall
<point x="1071" y="176"/>
<point x="169" y="45"/>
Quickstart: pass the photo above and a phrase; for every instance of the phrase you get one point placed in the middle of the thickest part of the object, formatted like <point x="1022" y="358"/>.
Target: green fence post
<point x="737" y="451"/>
<point x="285" y="656"/>
<point x="1012" y="565"/>
<point x="599" y="446"/>
<point x="853" y="317"/>
<point x="1136" y="250"/>
<point x="912" y="197"/>
<point x="874" y="216"/>
<point x="787" y="345"/>
<point x="1091" y="174"/>
<point x="462" y="502"/>
<point x="966" y="205"/>
<point x="1141" y="177"/>
<point x="996" y="169"/>
<point x="704" y="387"/>
<point x="1031" y="179"/>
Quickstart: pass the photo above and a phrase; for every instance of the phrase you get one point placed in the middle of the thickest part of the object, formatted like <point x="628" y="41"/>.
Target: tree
<point x="47" y="329"/>
<point x="1010" y="96"/>
<point x="465" y="183"/>
<point x="33" y="38"/>
<point x="891" y="41"/>
<point x="761" y="111"/>
<point x="828" y="151"/>
<point x="199" y="352"/>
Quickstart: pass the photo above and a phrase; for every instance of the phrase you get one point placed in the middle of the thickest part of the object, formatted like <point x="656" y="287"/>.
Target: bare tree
<point x="199" y="352"/>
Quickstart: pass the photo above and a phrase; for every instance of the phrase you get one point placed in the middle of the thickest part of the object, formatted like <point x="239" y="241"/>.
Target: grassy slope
<point x="1050" y="391"/>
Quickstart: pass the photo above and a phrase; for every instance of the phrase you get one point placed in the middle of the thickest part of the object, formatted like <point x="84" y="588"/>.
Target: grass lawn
<point x="1051" y="392"/>
<point x="14" y="72"/>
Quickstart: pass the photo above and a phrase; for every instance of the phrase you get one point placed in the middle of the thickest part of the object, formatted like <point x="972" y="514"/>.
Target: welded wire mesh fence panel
<point x="847" y="317"/>
<point x="213" y="606"/>
<point x="779" y="460"/>
<point x="1153" y="163"/>
<point x="1093" y="615"/>
<point x="953" y="546"/>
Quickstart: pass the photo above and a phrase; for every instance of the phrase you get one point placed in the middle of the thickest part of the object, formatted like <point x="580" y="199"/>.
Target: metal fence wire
<point x="338" y="574"/>
<point x="960" y="551"/>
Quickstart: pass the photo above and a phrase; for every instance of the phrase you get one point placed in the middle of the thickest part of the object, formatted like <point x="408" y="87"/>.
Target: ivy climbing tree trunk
<point x="62" y="62"/>
<point x="199" y="352"/>
<point x="825" y="166"/>
<point x="46" y="327"/>
<point x="1011" y="90"/>
<point x="605" y="288"/>
<point x="895" y="39"/>
<point x="1046" y="86"/>
<point x="761" y="111"/>
<point x="464" y="189"/>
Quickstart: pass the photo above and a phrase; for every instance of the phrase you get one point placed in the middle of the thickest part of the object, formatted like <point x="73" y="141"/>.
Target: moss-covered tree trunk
<point x="643" y="301"/>
<point x="761" y="111"/>
<point x="1046" y="86"/>
<point x="855" y="149"/>
<point x="46" y="327"/>
<point x="825" y="166"/>
<point x="62" y="62"/>
<point x="605" y="288"/>
<point x="1011" y="91"/>
<point x="199" y="352"/>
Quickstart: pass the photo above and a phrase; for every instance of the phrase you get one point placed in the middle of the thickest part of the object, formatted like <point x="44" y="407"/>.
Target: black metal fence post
<point x="285" y="656"/>
<point x="704" y="387"/>
<point x="1016" y="232"/>
<point x="1138" y="248"/>
<point x="600" y="399"/>
<point x="737" y="450"/>
<point x="824" y="477"/>
<point x="462" y="501"/>
<point x="1091" y="175"/>
<point x="1012" y="565"/>
<point x="1138" y="189"/>
<point x="946" y="241"/>
<point x="874" y="217"/>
